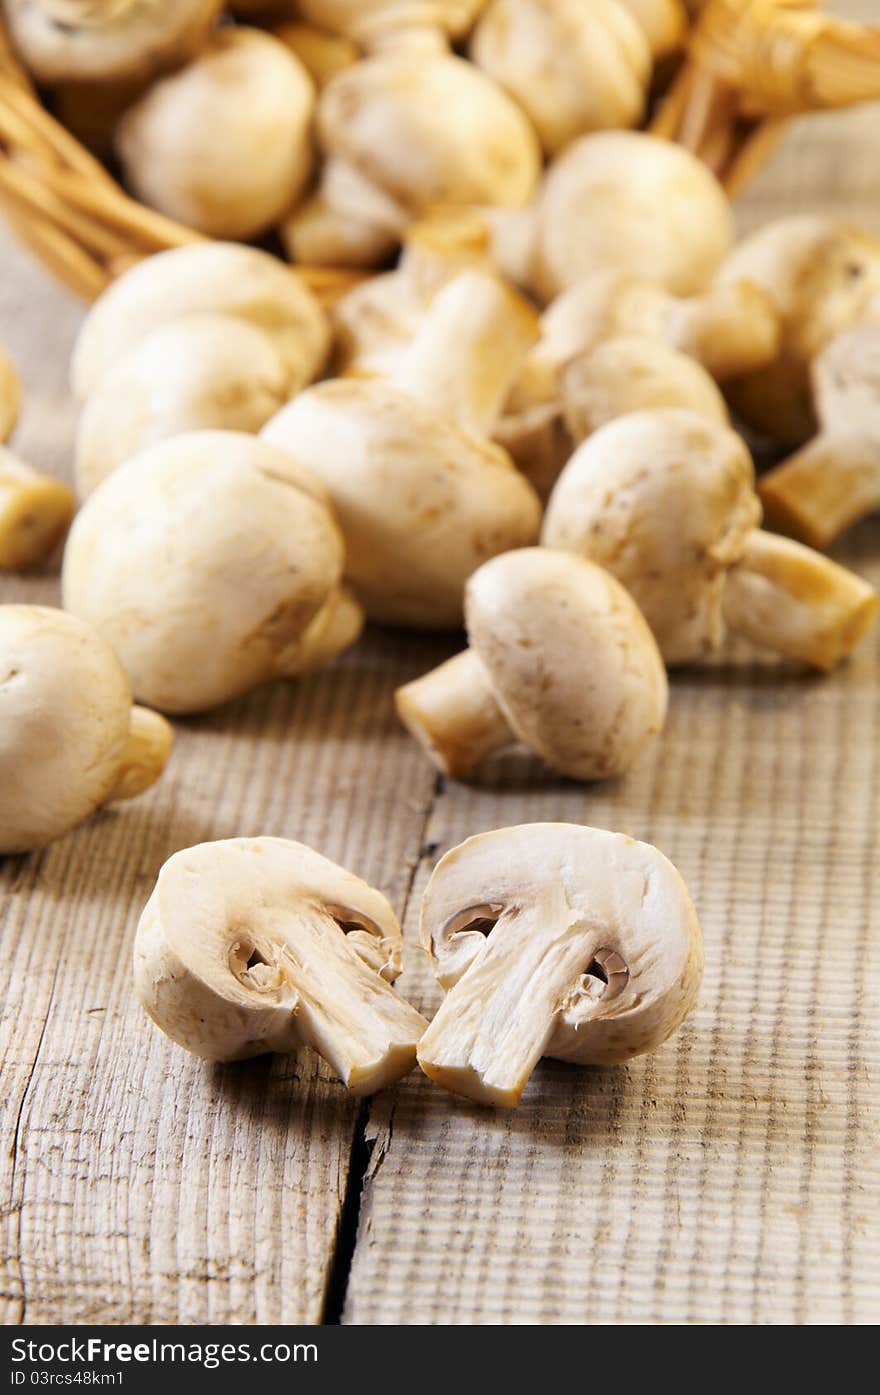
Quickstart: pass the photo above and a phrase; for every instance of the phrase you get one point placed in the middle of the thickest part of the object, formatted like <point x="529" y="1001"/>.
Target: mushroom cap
<point x="631" y="374"/>
<point x="202" y="560"/>
<point x="10" y="395"/>
<point x="224" y="145"/>
<point x="85" y="40"/>
<point x="821" y="274"/>
<point x="602" y="305"/>
<point x="573" y="665"/>
<point x="623" y="200"/>
<point x="597" y="52"/>
<point x="259" y="944"/>
<point x="664" y="22"/>
<point x="217" y="277"/>
<point x="846" y="381"/>
<point x="199" y="372"/>
<point x="583" y="894"/>
<point x="65" y="706"/>
<point x="368" y="21"/>
<point x="665" y="500"/>
<point x="420" y="503"/>
<point x="429" y="129"/>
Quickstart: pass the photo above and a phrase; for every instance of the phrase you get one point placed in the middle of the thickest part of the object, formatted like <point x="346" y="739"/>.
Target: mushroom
<point x="322" y="55"/>
<point x="664" y="23"/>
<point x="217" y="277"/>
<point x="10" y="395"/>
<point x="834" y="481"/>
<point x="212" y="563"/>
<point x="70" y="740"/>
<point x="383" y="23"/>
<point x="401" y="132"/>
<point x="260" y="944"/>
<point x="35" y="513"/>
<point x="552" y="939"/>
<point x="107" y="40"/>
<point x="560" y="658"/>
<point x="421" y="495"/>
<point x="618" y="201"/>
<point x="665" y="500"/>
<point x="596" y="51"/>
<point x="225" y="144"/>
<point x="821" y="275"/>
<point x="195" y="373"/>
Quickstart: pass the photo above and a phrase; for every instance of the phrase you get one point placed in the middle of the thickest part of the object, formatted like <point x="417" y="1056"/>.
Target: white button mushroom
<point x="10" y="395"/>
<point x="665" y="499"/>
<point x="260" y="944"/>
<point x="196" y="373"/>
<point x="70" y="740"/>
<point x="82" y="40"/>
<point x="553" y="940"/>
<point x="35" y="512"/>
<point x="322" y="55"/>
<point x="401" y="132"/>
<point x="596" y="51"/>
<point x="821" y="275"/>
<point x="834" y="480"/>
<point x="421" y="495"/>
<point x="380" y="23"/>
<point x="618" y="201"/>
<point x="560" y="659"/>
<point x="211" y="563"/>
<point x="214" y="277"/>
<point x="664" y="23"/>
<point x="225" y="144"/>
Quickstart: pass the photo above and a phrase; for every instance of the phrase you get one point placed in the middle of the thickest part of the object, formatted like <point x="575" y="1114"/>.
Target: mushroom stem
<point x="35" y="512"/>
<point x="465" y="356"/>
<point x="145" y="756"/>
<point x="823" y="489"/>
<point x="731" y="329"/>
<point x="336" y="626"/>
<point x="494" y="1026"/>
<point x="452" y="712"/>
<point x="513" y="238"/>
<point x="789" y="598"/>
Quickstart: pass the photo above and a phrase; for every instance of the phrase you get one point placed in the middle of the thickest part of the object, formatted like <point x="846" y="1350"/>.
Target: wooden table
<point x="732" y="1177"/>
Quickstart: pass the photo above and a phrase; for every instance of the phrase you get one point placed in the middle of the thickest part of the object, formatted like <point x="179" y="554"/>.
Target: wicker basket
<point x="749" y="67"/>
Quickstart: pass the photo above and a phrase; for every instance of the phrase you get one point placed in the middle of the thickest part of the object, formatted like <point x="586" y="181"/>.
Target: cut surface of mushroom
<point x="204" y="561"/>
<point x="70" y="739"/>
<point x="212" y="277"/>
<point x="422" y="497"/>
<point x="35" y="512"/>
<point x="560" y="659"/>
<point x="65" y="40"/>
<point x="553" y="940"/>
<point x="10" y="395"/>
<point x="834" y="481"/>
<point x="252" y="945"/>
<point x="224" y="145"/>
<point x="597" y="52"/>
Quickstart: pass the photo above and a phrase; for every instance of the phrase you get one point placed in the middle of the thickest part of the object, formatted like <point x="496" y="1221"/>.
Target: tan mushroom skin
<point x="553" y="940"/>
<point x="260" y="944"/>
<point x="70" y="739"/>
<point x="10" y="395"/>
<point x="35" y="512"/>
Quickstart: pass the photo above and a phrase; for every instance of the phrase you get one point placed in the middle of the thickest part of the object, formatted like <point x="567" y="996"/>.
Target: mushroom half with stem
<point x="666" y="500"/>
<point x="70" y="739"/>
<point x="834" y="481"/>
<point x="35" y="512"/>
<point x="212" y="563"/>
<point x="260" y="944"/>
<point x="553" y="940"/>
<point x="560" y="659"/>
<point x="422" y="496"/>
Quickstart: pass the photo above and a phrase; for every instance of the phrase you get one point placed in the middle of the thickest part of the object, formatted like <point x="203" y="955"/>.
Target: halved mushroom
<point x="666" y="500"/>
<point x="225" y="144"/>
<point x="35" y="513"/>
<point x="215" y="277"/>
<point x="401" y="132"/>
<point x="199" y="372"/>
<point x="105" y="40"/>
<point x="834" y="481"/>
<point x="421" y="495"/>
<point x="10" y="395"/>
<point x="597" y="52"/>
<point x="560" y="659"/>
<point x="260" y="944"/>
<point x="822" y="275"/>
<point x="212" y="563"/>
<point x="553" y="939"/>
<point x="70" y="740"/>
